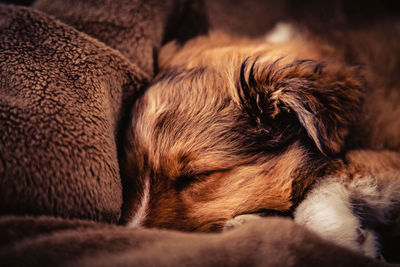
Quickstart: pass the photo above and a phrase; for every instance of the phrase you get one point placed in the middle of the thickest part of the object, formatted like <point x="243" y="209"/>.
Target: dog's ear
<point x="324" y="98"/>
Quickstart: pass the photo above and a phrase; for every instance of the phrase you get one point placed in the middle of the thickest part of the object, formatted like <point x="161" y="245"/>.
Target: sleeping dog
<point x="234" y="128"/>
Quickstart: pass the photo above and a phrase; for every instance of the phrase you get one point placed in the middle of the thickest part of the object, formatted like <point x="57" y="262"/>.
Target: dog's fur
<point x="235" y="126"/>
<point x="348" y="205"/>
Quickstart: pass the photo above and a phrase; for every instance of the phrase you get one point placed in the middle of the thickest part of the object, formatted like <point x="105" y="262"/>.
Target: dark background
<point x="255" y="17"/>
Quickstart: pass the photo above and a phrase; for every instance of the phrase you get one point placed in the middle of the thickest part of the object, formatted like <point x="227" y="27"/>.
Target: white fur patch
<point x="282" y="32"/>
<point x="328" y="212"/>
<point x="141" y="212"/>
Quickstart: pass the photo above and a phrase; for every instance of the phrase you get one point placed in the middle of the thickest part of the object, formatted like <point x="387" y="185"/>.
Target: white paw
<point x="327" y="211"/>
<point x="240" y="220"/>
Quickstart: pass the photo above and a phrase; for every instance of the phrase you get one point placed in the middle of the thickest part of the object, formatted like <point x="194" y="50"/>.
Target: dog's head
<point x="234" y="127"/>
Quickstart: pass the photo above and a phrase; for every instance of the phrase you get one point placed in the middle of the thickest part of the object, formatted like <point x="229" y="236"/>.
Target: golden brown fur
<point x="236" y="126"/>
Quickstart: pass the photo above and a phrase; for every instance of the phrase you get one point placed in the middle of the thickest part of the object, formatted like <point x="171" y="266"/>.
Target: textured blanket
<point x="63" y="97"/>
<point x="69" y="71"/>
<point x="271" y="242"/>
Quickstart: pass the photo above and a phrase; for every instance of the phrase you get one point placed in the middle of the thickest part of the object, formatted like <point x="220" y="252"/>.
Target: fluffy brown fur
<point x="236" y="126"/>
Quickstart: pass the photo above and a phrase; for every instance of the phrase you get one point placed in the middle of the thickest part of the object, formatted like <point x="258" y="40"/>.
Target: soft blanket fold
<point x="270" y="242"/>
<point x="61" y="99"/>
<point x="64" y="98"/>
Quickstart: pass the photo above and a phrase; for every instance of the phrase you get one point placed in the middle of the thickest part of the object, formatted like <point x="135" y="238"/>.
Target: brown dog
<point x="235" y="126"/>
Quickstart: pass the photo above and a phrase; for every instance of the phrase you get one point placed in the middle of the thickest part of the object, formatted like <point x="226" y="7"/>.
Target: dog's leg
<point x="328" y="211"/>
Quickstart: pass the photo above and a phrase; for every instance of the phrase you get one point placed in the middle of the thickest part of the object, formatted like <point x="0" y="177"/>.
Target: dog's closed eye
<point x="185" y="180"/>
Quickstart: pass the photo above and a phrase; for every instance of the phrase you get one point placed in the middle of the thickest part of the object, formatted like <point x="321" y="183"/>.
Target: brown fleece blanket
<point x="271" y="242"/>
<point x="63" y="99"/>
<point x="66" y="83"/>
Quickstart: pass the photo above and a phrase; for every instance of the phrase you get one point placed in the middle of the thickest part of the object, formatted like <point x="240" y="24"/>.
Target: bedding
<point x="48" y="241"/>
